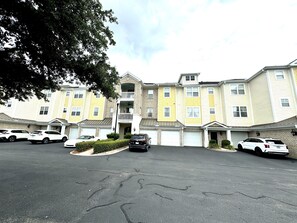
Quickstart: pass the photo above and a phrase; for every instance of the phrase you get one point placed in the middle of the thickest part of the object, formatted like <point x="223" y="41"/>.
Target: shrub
<point x="213" y="144"/>
<point x="128" y="136"/>
<point x="230" y="147"/>
<point x="108" y="145"/>
<point x="113" y="135"/>
<point x="83" y="146"/>
<point x="225" y="143"/>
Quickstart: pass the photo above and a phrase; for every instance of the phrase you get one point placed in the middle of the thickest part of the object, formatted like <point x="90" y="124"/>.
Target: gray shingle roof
<point x="147" y="122"/>
<point x="104" y="122"/>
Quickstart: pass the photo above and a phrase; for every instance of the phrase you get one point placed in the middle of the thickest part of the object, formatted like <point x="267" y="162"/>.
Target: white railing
<point x="125" y="116"/>
<point x="127" y="95"/>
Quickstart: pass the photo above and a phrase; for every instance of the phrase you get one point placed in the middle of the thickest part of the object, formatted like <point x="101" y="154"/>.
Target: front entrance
<point x="214" y="136"/>
<point x="125" y="128"/>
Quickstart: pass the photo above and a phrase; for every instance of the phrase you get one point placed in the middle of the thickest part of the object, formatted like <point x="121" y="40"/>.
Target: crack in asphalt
<point x="96" y="191"/>
<point x="137" y="170"/>
<point x="81" y="183"/>
<point x="126" y="214"/>
<point x="251" y="197"/>
<point x="141" y="185"/>
<point x="104" y="178"/>
<point x="121" y="184"/>
<point x="289" y="192"/>
<point x="102" y="205"/>
<point x="167" y="198"/>
<point x="168" y="187"/>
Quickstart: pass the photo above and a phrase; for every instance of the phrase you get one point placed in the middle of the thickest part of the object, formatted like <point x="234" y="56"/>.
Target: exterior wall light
<point x="294" y="132"/>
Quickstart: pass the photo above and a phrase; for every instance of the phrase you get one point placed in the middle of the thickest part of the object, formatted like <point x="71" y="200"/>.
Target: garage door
<point x="73" y="134"/>
<point x="238" y="136"/>
<point x="103" y="133"/>
<point x="88" y="131"/>
<point x="192" y="138"/>
<point x="170" y="138"/>
<point x="153" y="135"/>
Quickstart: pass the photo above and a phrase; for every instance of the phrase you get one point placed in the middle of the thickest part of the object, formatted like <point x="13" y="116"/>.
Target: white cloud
<point x="159" y="40"/>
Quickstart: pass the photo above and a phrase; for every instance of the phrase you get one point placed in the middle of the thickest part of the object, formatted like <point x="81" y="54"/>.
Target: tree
<point x="44" y="44"/>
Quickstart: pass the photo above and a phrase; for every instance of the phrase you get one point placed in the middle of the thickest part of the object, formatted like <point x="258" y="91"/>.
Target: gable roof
<point x="129" y="75"/>
<point x="215" y="124"/>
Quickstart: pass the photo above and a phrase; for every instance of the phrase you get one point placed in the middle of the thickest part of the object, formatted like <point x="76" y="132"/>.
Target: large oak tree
<point x="46" y="43"/>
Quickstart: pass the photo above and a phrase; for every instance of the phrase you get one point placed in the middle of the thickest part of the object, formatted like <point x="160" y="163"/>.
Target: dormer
<point x="188" y="79"/>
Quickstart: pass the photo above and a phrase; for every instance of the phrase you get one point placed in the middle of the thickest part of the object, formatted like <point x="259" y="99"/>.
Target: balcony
<point x="125" y="117"/>
<point x="127" y="96"/>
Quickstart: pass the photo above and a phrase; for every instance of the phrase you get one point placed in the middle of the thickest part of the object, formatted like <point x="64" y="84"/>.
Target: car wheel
<point x="45" y="141"/>
<point x="239" y="147"/>
<point x="258" y="151"/>
<point x="11" y="138"/>
<point x="64" y="139"/>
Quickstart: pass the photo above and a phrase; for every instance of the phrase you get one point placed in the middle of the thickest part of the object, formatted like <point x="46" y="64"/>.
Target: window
<point x="150" y="94"/>
<point x="43" y="110"/>
<point x="96" y="111"/>
<point x="210" y="90"/>
<point x="192" y="92"/>
<point x="64" y="110"/>
<point x="190" y="78"/>
<point x="237" y="89"/>
<point x="67" y="93"/>
<point x="285" y="102"/>
<point x="279" y="75"/>
<point x="149" y="112"/>
<point x="167" y="112"/>
<point x="47" y="93"/>
<point x="8" y="104"/>
<point x="75" y="111"/>
<point x="193" y="112"/>
<point x="78" y="94"/>
<point x="212" y="111"/>
<point x="166" y="92"/>
<point x="97" y="94"/>
<point x="239" y="111"/>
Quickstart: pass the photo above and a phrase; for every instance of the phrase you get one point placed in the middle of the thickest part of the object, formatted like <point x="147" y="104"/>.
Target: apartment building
<point x="188" y="112"/>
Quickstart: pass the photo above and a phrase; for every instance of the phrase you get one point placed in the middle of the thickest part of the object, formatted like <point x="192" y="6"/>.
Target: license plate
<point x="136" y="142"/>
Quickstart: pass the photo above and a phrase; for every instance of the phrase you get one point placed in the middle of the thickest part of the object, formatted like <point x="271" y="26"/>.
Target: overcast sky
<point x="157" y="40"/>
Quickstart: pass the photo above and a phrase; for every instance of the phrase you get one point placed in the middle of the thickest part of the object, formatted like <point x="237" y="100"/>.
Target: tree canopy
<point x="44" y="44"/>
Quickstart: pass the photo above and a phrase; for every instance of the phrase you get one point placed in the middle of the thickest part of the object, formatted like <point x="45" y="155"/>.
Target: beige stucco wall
<point x="149" y="102"/>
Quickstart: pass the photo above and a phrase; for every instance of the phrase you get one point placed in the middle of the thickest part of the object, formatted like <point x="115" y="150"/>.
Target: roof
<point x="288" y="123"/>
<point x="104" y="122"/>
<point x="147" y="122"/>
<point x="186" y="74"/>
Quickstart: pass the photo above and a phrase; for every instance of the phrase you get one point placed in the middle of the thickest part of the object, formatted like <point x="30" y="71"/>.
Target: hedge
<point x="113" y="135"/>
<point x="104" y="146"/>
<point x="83" y="146"/>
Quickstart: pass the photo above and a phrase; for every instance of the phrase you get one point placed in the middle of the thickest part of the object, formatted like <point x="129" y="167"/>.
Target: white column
<point x="229" y="136"/>
<point x="205" y="144"/>
<point x="63" y="129"/>
<point x="48" y="127"/>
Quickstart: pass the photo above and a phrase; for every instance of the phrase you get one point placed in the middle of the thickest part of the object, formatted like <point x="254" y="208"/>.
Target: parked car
<point x="46" y="136"/>
<point x="264" y="146"/>
<point x="83" y="138"/>
<point x="140" y="141"/>
<point x="12" y="135"/>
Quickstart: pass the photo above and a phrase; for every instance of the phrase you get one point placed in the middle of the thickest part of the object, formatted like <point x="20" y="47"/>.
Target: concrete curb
<point x="90" y="152"/>
<point x="223" y="150"/>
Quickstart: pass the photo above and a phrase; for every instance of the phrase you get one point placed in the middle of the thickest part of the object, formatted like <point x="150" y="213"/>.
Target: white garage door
<point x="170" y="138"/>
<point x="238" y="136"/>
<point x="192" y="138"/>
<point x="88" y="131"/>
<point x="73" y="134"/>
<point x="103" y="133"/>
<point x="153" y="134"/>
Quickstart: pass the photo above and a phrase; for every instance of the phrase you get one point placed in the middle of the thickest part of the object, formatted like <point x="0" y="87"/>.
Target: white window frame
<point x="75" y="111"/>
<point x="212" y="111"/>
<point x="96" y="111"/>
<point x="239" y="110"/>
<point x="237" y="89"/>
<point x="193" y="112"/>
<point x="149" y="112"/>
<point x="210" y="90"/>
<point x="190" y="91"/>
<point x="67" y="93"/>
<point x="43" y="110"/>
<point x="97" y="94"/>
<point x="167" y="112"/>
<point x="48" y="94"/>
<point x="8" y="104"/>
<point x="78" y="94"/>
<point x="167" y="92"/>
<point x="285" y="104"/>
<point x="190" y="77"/>
<point x="150" y="94"/>
<point x="279" y="75"/>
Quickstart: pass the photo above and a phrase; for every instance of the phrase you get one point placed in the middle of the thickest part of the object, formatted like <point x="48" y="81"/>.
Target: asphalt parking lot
<point x="44" y="183"/>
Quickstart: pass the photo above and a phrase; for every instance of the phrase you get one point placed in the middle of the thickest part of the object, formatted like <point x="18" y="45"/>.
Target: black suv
<point x="140" y="141"/>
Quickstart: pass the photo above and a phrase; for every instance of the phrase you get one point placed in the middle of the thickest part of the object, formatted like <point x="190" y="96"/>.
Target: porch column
<point x="48" y="127"/>
<point x="63" y="129"/>
<point x="229" y="136"/>
<point x="205" y="144"/>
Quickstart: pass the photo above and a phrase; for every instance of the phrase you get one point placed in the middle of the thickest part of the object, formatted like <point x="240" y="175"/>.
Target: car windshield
<point x="3" y="131"/>
<point x="138" y="137"/>
<point x="85" y="137"/>
<point x="273" y="141"/>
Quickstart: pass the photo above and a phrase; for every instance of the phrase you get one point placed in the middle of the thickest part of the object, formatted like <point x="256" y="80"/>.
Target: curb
<point x="90" y="152"/>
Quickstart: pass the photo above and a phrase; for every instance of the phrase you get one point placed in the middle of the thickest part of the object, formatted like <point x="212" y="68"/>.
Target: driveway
<point x="43" y="183"/>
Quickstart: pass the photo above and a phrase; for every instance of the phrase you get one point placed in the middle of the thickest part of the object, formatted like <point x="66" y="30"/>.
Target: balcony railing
<point x="127" y="95"/>
<point x="125" y="116"/>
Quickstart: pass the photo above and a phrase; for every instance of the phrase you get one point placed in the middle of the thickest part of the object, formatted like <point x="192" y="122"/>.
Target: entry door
<point x="214" y="136"/>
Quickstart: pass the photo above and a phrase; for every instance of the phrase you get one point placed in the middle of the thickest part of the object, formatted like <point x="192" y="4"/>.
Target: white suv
<point x="46" y="136"/>
<point x="12" y="135"/>
<point x="264" y="145"/>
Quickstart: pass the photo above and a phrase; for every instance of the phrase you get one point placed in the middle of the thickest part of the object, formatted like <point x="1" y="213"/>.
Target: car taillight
<point x="266" y="145"/>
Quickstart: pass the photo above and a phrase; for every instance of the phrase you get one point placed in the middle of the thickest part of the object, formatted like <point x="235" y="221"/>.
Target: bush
<point x="84" y="146"/>
<point x="128" y="136"/>
<point x="108" y="145"/>
<point x="225" y="143"/>
<point x="213" y="144"/>
<point x="230" y="147"/>
<point x="113" y="135"/>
